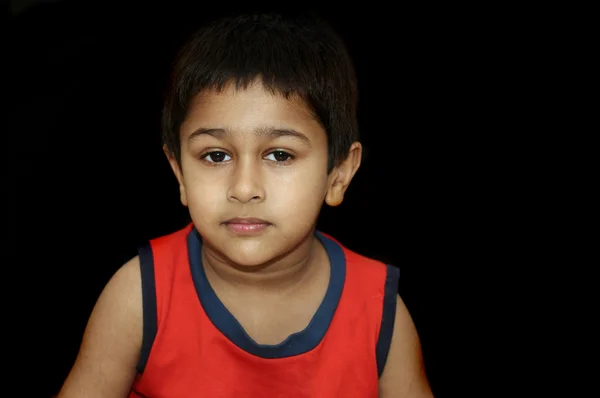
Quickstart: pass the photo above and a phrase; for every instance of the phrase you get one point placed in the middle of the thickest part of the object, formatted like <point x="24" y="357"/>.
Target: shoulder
<point x="121" y="301"/>
<point x="398" y="352"/>
<point x="404" y="372"/>
<point x="110" y="348"/>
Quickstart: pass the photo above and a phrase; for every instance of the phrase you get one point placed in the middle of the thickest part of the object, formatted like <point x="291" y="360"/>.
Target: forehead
<point x="250" y="108"/>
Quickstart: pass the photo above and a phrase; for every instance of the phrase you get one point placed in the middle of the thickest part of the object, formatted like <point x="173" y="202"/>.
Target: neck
<point x="279" y="275"/>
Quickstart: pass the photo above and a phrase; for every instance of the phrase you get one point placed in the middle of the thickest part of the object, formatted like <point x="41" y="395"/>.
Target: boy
<point x="249" y="300"/>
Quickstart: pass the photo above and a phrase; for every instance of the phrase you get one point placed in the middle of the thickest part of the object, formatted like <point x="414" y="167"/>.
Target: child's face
<point x="251" y="154"/>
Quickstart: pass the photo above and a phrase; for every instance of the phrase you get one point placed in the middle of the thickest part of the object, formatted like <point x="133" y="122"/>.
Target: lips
<point x="244" y="220"/>
<point x="246" y="225"/>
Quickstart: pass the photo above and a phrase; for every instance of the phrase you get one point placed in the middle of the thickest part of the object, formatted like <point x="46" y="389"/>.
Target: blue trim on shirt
<point x="297" y="343"/>
<point x="388" y="318"/>
<point x="148" y="304"/>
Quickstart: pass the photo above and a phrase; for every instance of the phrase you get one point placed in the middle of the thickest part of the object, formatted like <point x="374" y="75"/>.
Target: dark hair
<point x="300" y="55"/>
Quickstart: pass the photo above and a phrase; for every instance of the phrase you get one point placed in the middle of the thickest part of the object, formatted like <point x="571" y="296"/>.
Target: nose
<point x="246" y="183"/>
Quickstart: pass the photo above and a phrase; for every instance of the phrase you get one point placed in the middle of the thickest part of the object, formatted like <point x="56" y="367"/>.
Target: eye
<point x="279" y="156"/>
<point x="216" y="157"/>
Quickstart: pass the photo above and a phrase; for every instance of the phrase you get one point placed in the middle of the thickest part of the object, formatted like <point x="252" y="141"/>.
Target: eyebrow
<point x="271" y="132"/>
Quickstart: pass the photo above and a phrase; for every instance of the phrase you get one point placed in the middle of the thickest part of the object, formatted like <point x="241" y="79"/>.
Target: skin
<point x="236" y="146"/>
<point x="245" y="153"/>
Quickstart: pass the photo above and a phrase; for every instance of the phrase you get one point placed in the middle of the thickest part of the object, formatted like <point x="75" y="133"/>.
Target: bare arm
<point x="106" y="364"/>
<point x="404" y="373"/>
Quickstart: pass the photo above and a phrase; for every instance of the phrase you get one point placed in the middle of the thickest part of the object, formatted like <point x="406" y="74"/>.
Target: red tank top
<point x="194" y="347"/>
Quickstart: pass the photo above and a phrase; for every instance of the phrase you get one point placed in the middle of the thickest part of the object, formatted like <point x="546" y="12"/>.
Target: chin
<point x="247" y="263"/>
<point x="250" y="254"/>
<point x="249" y="259"/>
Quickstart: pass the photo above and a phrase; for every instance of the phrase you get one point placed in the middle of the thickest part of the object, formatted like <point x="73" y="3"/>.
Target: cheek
<point x="298" y="194"/>
<point x="204" y="190"/>
<point x="206" y="196"/>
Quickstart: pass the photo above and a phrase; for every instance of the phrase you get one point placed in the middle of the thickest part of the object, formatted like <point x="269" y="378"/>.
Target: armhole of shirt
<point x="388" y="317"/>
<point x="148" y="303"/>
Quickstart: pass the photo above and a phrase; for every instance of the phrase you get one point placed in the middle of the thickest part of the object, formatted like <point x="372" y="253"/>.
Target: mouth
<point x="240" y="225"/>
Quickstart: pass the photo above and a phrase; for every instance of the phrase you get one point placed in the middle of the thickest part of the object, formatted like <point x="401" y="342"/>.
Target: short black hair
<point x="300" y="55"/>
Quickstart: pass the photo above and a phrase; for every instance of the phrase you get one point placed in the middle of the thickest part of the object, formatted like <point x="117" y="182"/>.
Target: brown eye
<point x="279" y="156"/>
<point x="215" y="157"/>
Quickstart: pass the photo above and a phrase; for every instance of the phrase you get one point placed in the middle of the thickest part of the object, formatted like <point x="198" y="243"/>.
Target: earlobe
<point x="335" y="193"/>
<point x="341" y="176"/>
<point x="178" y="174"/>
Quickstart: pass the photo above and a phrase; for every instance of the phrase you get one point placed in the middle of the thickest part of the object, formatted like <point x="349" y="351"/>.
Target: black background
<point x="90" y="182"/>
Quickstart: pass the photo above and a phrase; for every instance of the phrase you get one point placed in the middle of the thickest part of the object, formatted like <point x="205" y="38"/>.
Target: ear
<point x="178" y="174"/>
<point x="341" y="175"/>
